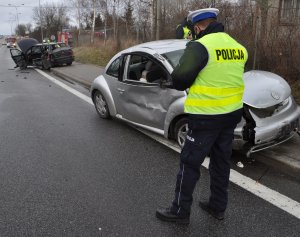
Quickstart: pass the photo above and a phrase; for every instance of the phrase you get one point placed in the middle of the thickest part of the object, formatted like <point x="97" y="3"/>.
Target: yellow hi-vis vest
<point x="219" y="87"/>
<point x="186" y="32"/>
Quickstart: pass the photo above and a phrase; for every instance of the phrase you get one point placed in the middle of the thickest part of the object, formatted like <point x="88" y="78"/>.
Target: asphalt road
<point x="65" y="172"/>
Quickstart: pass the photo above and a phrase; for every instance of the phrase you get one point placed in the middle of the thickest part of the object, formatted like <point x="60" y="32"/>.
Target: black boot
<point x="205" y="206"/>
<point x="165" y="214"/>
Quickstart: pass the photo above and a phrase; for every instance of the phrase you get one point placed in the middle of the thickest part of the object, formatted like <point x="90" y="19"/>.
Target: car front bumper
<point x="270" y="130"/>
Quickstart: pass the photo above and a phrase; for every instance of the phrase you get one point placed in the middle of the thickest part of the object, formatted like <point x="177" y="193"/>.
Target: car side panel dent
<point x="176" y="109"/>
<point x="101" y="85"/>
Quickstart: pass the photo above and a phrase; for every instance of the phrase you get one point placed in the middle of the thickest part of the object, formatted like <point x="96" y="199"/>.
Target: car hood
<point x="25" y="44"/>
<point x="264" y="89"/>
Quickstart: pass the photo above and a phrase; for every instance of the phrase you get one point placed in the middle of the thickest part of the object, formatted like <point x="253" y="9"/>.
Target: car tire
<point x="69" y="64"/>
<point x="101" y="105"/>
<point x="23" y="66"/>
<point x="180" y="131"/>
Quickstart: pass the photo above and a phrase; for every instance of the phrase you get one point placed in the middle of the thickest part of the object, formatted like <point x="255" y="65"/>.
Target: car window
<point x="16" y="52"/>
<point x="36" y="50"/>
<point x="173" y="57"/>
<point x="113" y="69"/>
<point x="136" y="66"/>
<point x="145" y="70"/>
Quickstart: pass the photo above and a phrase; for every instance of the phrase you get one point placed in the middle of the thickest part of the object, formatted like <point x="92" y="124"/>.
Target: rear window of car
<point x="173" y="57"/>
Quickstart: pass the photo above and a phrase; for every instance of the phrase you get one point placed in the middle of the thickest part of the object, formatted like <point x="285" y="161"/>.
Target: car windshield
<point x="173" y="57"/>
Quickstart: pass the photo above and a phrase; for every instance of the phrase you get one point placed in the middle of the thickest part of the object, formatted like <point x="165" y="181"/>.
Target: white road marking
<point x="277" y="199"/>
<point x="64" y="86"/>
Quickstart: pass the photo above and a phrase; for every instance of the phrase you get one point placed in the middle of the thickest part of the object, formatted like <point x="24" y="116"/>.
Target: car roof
<point x="160" y="46"/>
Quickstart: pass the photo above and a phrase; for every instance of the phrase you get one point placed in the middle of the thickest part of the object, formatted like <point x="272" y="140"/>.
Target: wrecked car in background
<point x="43" y="55"/>
<point x="135" y="88"/>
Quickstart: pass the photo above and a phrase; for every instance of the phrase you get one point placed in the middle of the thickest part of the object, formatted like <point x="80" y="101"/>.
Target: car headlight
<point x="285" y="102"/>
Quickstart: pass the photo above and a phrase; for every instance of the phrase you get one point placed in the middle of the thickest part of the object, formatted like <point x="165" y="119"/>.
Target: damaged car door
<point x="19" y="58"/>
<point x="140" y="98"/>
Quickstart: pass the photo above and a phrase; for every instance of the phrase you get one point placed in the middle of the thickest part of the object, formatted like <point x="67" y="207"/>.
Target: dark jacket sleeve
<point x="193" y="60"/>
<point x="179" y="32"/>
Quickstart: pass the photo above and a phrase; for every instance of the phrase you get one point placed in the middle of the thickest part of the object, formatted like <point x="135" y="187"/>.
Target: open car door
<point x="18" y="58"/>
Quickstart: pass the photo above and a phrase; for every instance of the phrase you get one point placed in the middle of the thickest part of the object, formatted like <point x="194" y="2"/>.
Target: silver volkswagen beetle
<point x="134" y="88"/>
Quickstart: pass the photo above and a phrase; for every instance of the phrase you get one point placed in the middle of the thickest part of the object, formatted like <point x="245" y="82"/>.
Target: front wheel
<point x="180" y="131"/>
<point x="101" y="105"/>
<point x="23" y="65"/>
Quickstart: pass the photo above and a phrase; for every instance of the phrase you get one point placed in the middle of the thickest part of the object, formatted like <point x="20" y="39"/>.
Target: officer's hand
<point x="165" y="84"/>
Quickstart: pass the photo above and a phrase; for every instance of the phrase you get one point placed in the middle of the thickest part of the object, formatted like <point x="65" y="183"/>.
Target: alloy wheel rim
<point x="101" y="104"/>
<point x="182" y="132"/>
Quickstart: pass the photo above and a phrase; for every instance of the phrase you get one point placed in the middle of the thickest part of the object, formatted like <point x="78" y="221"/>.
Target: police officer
<point x="211" y="67"/>
<point x="184" y="30"/>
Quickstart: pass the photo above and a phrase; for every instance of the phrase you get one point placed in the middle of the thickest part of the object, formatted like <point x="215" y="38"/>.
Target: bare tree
<point x="79" y="4"/>
<point x="29" y="27"/>
<point x="158" y="20"/>
<point x="94" y="18"/>
<point x="20" y="29"/>
<point x="51" y="18"/>
<point x="104" y="12"/>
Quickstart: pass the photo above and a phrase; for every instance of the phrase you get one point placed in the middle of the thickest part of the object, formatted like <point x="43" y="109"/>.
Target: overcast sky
<point x="8" y="13"/>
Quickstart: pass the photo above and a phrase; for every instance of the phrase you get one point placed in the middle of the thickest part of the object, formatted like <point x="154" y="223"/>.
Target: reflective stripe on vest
<point x="219" y="87"/>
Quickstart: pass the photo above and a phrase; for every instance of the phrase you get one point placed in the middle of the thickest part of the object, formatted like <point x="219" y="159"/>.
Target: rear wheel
<point x="101" y="105"/>
<point x="180" y="131"/>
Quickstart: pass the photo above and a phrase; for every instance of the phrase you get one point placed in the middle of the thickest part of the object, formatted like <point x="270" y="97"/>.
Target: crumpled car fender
<point x="101" y="85"/>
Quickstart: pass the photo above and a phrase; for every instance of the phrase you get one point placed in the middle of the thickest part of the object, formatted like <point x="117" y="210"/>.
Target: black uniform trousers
<point x="205" y="136"/>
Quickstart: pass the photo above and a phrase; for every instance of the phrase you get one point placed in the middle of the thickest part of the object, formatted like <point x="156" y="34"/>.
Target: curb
<point x="287" y="165"/>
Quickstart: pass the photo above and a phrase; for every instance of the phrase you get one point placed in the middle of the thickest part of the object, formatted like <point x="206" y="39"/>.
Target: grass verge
<point x="100" y="52"/>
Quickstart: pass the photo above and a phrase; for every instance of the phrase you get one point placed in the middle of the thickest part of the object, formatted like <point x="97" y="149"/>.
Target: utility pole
<point x="16" y="7"/>
<point x="114" y="15"/>
<point x="17" y="14"/>
<point x="103" y="4"/>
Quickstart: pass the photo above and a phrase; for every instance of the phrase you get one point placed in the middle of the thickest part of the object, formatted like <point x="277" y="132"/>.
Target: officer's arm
<point x="193" y="60"/>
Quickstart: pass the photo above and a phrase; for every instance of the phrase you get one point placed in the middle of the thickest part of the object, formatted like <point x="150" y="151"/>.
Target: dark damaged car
<point x="42" y="55"/>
